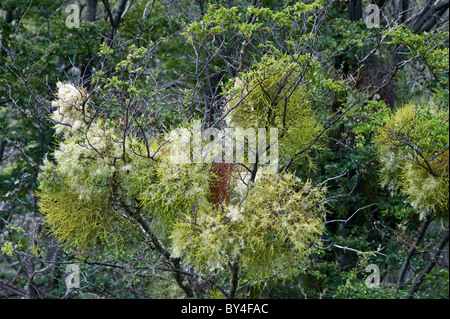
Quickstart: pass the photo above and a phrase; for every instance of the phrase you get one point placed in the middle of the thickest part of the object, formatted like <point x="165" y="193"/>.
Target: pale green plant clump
<point x="270" y="232"/>
<point x="269" y="96"/>
<point x="98" y="186"/>
<point x="69" y="106"/>
<point x="413" y="153"/>
<point x="177" y="189"/>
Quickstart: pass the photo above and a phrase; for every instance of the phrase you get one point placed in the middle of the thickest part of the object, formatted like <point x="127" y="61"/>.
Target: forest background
<point x="93" y="203"/>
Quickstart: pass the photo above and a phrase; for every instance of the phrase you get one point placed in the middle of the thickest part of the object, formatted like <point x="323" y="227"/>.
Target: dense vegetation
<point x="93" y="117"/>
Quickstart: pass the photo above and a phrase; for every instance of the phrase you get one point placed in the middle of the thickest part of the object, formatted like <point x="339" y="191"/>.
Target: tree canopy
<point x="224" y="149"/>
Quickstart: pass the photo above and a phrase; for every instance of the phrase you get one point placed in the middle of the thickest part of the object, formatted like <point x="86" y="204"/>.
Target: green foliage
<point x="121" y="206"/>
<point x="356" y="288"/>
<point x="436" y="281"/>
<point x="83" y="224"/>
<point x="7" y="248"/>
<point x="220" y="19"/>
<point x="432" y="47"/>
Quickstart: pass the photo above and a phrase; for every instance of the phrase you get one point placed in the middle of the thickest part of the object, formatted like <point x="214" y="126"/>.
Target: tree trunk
<point x="86" y="67"/>
<point x="355" y="10"/>
<point x="404" y="6"/>
<point x="6" y="31"/>
<point x="91" y="10"/>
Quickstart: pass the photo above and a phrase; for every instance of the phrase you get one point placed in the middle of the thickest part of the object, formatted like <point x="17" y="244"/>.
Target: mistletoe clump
<point x="413" y="153"/>
<point x="78" y="190"/>
<point x="271" y="96"/>
<point x="99" y="188"/>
